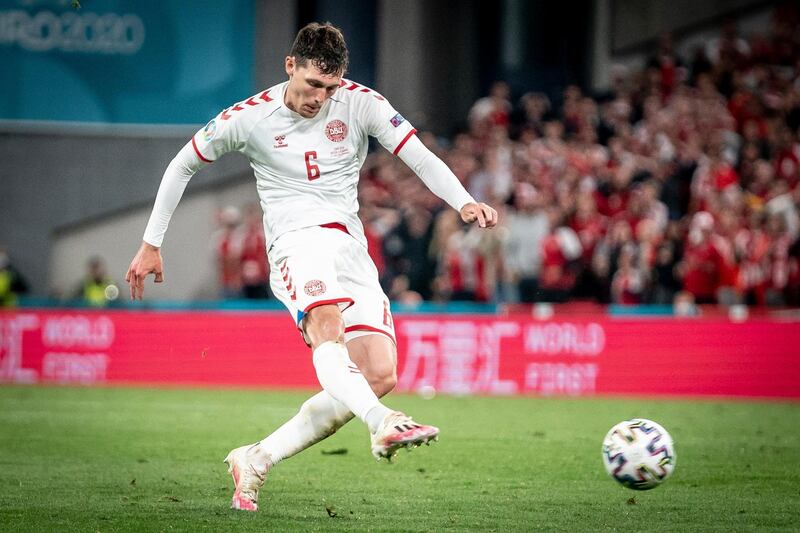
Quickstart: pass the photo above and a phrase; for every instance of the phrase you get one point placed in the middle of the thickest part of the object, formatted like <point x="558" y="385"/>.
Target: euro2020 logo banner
<point x="123" y="62"/>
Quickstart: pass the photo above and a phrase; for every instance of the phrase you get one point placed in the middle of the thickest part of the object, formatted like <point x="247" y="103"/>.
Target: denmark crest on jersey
<point x="336" y="130"/>
<point x="315" y="287"/>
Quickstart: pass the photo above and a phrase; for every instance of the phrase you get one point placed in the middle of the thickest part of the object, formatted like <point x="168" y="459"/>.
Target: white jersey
<point x="306" y="170"/>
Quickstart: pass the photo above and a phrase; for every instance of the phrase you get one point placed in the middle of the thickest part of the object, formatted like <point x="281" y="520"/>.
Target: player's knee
<point x="324" y="323"/>
<point x="387" y="385"/>
<point x="383" y="380"/>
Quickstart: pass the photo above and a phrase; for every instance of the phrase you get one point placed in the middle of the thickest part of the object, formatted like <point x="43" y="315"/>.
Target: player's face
<point x="308" y="88"/>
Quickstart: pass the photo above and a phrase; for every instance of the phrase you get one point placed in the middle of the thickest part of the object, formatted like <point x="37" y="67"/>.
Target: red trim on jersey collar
<point x="194" y="145"/>
<point x="372" y="329"/>
<point x="405" y="139"/>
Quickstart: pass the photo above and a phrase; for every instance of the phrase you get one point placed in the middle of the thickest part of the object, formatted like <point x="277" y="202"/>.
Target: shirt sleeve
<point x="178" y="173"/>
<point x="434" y="173"/>
<point x="385" y="124"/>
<point x="227" y="132"/>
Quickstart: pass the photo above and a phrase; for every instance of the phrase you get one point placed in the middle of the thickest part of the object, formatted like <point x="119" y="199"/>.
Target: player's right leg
<point x="303" y="277"/>
<point x="323" y="326"/>
<point x="354" y="384"/>
<point x="376" y="356"/>
<point x="318" y="418"/>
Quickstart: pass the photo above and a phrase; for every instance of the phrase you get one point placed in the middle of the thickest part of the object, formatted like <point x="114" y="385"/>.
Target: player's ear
<point x="289" y="65"/>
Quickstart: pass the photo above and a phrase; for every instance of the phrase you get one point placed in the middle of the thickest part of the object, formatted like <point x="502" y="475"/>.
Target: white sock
<point x="375" y="416"/>
<point x="319" y="417"/>
<point x="340" y="378"/>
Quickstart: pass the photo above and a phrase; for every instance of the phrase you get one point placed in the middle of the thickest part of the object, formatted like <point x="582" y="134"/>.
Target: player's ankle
<point x="375" y="416"/>
<point x="258" y="455"/>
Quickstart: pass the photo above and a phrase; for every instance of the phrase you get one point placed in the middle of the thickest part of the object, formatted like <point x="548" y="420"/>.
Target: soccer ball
<point x="639" y="454"/>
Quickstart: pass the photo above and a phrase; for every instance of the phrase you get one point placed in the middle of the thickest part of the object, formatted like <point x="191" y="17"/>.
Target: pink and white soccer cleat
<point x="248" y="477"/>
<point x="397" y="431"/>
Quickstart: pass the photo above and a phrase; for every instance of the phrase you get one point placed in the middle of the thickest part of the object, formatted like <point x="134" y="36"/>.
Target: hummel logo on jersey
<point x="397" y="120"/>
<point x="280" y="141"/>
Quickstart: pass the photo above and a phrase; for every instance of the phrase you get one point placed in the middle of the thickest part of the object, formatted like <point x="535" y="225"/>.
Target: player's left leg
<point x="321" y="416"/>
<point x="318" y="418"/>
<point x="367" y="331"/>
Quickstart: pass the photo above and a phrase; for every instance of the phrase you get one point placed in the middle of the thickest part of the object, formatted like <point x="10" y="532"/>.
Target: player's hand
<point x="147" y="261"/>
<point x="485" y="215"/>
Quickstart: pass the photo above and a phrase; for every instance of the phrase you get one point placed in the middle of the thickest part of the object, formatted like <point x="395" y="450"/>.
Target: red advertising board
<point x="451" y="354"/>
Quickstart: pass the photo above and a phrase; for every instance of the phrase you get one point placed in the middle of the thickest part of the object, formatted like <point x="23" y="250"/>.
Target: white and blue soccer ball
<point x="639" y="454"/>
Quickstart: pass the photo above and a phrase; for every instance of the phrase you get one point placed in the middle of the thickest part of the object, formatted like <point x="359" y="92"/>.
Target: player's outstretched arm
<point x="444" y="184"/>
<point x="146" y="261"/>
<point x="484" y="214"/>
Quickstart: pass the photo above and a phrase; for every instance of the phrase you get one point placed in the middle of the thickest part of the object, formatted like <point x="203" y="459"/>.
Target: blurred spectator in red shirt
<point x="629" y="283"/>
<point x="561" y="249"/>
<point x="612" y="196"/>
<point x="590" y="227"/>
<point x="492" y="110"/>
<point x="667" y="64"/>
<point x="704" y="266"/>
<point x="471" y="263"/>
<point x="253" y="250"/>
<point x="227" y="246"/>
<point x="787" y="157"/>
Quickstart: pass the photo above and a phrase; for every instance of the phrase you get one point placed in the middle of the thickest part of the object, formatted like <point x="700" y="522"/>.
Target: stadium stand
<point x="681" y="181"/>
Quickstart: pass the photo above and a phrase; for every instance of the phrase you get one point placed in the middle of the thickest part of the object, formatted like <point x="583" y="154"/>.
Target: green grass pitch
<point x="106" y="459"/>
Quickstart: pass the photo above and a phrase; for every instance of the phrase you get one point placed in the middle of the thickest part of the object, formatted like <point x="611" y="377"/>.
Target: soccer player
<point x="306" y="139"/>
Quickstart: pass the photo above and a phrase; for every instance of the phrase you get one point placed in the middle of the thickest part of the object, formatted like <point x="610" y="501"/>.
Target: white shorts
<point x="323" y="265"/>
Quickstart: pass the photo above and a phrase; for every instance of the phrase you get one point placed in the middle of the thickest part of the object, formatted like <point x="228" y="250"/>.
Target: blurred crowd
<point x="239" y="246"/>
<point x="679" y="185"/>
<point x="681" y="182"/>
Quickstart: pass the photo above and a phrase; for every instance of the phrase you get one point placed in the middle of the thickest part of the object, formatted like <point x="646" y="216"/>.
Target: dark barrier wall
<point x="635" y="22"/>
<point x="50" y="181"/>
<point x="437" y="353"/>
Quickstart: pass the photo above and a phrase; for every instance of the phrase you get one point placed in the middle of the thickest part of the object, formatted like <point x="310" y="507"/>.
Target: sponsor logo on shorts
<point x="315" y="287"/>
<point x="336" y="130"/>
<point x="397" y="120"/>
<point x="210" y="130"/>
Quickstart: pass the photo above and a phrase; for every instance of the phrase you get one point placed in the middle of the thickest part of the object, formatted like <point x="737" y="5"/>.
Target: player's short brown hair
<point x="323" y="45"/>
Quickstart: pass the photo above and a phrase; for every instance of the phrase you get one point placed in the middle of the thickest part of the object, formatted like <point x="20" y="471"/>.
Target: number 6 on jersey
<point x="311" y="169"/>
